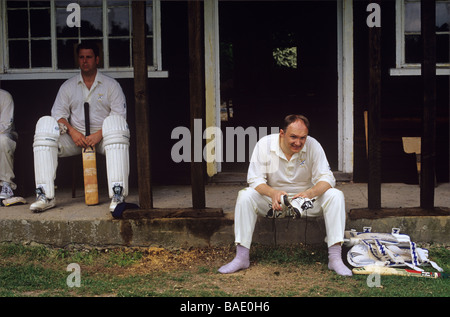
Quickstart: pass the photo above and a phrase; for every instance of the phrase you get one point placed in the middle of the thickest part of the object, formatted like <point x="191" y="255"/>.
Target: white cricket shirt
<point x="105" y="98"/>
<point x="306" y="168"/>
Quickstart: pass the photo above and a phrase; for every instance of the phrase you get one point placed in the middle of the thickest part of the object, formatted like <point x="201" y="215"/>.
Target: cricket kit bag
<point x="385" y="249"/>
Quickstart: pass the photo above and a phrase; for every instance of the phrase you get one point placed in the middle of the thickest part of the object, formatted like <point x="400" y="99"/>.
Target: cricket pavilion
<point x="372" y="77"/>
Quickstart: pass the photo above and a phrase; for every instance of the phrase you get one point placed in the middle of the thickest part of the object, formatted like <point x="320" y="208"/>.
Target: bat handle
<point x="86" y="118"/>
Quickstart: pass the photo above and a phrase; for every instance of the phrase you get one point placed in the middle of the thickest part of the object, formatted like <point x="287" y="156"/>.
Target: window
<point x="408" y="37"/>
<point x="37" y="39"/>
<point x="29" y="33"/>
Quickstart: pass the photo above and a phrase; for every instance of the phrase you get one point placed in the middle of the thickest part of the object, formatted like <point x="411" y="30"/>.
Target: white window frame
<point x="401" y="67"/>
<point x="154" y="71"/>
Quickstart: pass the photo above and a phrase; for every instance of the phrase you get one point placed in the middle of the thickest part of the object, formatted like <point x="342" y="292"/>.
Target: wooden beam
<point x="364" y="213"/>
<point x="197" y="96"/>
<point x="374" y="119"/>
<point x="141" y="105"/>
<point x="428" y="155"/>
<point x="172" y="213"/>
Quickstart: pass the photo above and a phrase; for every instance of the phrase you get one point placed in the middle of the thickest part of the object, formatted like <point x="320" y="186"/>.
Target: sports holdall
<point x="385" y="249"/>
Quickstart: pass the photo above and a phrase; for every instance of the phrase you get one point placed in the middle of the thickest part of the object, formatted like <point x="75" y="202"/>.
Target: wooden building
<point x="259" y="61"/>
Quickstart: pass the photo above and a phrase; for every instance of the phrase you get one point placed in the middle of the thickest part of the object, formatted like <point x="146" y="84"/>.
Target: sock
<point x="241" y="261"/>
<point x="335" y="261"/>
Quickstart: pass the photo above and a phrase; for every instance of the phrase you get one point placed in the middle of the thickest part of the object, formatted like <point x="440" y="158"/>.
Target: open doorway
<point x="279" y="58"/>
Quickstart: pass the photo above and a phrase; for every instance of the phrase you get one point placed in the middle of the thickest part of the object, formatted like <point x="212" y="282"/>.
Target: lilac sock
<point x="335" y="261"/>
<point x="241" y="261"/>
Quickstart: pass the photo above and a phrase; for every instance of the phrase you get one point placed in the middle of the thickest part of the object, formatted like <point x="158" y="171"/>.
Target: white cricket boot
<point x="299" y="206"/>
<point x="42" y="202"/>
<point x="117" y="197"/>
<point x="6" y="191"/>
<point x="285" y="205"/>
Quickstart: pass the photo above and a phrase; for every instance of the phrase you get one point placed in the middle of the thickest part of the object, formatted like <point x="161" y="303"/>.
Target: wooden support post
<point x="141" y="105"/>
<point x="197" y="97"/>
<point x="428" y="155"/>
<point x="374" y="119"/>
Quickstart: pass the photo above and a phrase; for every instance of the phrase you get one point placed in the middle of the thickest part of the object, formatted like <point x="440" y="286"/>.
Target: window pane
<point x="442" y="16"/>
<point x="150" y="52"/>
<point x="91" y="22"/>
<point x="413" y="42"/>
<point x="41" y="53"/>
<point x="119" y="23"/>
<point x="18" y="54"/>
<point x="91" y="3"/>
<point x="39" y="4"/>
<point x="63" y="3"/>
<point x="40" y="22"/>
<point x="17" y="23"/>
<point x="119" y="52"/>
<point x="118" y="3"/>
<point x="413" y="49"/>
<point x="442" y="48"/>
<point x="412" y="17"/>
<point x="149" y="20"/>
<point x="16" y="4"/>
<point x="67" y="54"/>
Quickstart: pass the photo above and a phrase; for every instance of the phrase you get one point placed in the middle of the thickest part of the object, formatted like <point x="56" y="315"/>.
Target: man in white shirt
<point x="63" y="133"/>
<point x="285" y="170"/>
<point x="8" y="139"/>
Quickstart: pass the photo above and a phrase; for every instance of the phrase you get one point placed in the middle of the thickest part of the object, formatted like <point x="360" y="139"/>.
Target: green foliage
<point x="285" y="57"/>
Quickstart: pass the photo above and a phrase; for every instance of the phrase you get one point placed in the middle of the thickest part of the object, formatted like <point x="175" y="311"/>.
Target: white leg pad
<point x="116" y="142"/>
<point x="45" y="149"/>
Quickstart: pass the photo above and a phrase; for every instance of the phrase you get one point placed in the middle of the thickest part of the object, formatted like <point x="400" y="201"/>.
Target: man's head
<point x="293" y="133"/>
<point x="88" y="57"/>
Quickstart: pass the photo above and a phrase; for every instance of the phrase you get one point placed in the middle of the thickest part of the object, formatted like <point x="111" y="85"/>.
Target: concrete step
<point x="71" y="222"/>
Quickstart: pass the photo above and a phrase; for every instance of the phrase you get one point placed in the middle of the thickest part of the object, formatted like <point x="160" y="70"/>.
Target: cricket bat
<point x="375" y="269"/>
<point x="89" y="166"/>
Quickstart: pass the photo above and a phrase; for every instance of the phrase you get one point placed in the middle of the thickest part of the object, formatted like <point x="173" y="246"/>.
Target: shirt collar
<point x="98" y="79"/>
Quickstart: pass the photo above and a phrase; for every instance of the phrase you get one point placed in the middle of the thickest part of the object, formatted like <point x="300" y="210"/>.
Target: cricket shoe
<point x="42" y="203"/>
<point x="299" y="206"/>
<point x="6" y="191"/>
<point x="285" y="205"/>
<point x="117" y="197"/>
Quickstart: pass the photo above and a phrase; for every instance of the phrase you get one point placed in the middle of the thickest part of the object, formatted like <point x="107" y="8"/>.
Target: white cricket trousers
<point x="250" y="204"/>
<point x="7" y="148"/>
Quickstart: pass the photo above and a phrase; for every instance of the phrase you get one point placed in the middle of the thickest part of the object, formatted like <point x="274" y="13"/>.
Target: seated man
<point x="63" y="133"/>
<point x="285" y="170"/>
<point x="8" y="139"/>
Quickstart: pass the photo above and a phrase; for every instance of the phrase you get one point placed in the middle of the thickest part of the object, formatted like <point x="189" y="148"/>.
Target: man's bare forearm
<point x="315" y="191"/>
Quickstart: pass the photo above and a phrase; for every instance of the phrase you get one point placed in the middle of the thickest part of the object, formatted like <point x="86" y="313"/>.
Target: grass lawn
<point x="275" y="271"/>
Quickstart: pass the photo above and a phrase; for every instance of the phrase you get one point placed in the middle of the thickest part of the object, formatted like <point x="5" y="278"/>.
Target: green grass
<point x="276" y="271"/>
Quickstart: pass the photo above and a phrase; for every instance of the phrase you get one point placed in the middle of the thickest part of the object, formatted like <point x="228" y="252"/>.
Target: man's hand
<point x="274" y="194"/>
<point x="276" y="199"/>
<point x="78" y="138"/>
<point x="95" y="138"/>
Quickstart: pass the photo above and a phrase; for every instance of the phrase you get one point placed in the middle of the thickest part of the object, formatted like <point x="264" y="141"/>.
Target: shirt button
<point x="290" y="170"/>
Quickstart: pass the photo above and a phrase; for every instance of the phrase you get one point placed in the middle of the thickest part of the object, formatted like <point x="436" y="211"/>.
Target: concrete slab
<point x="74" y="223"/>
